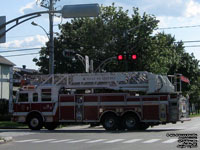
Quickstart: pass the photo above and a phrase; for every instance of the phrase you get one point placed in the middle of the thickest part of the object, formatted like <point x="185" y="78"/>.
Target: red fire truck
<point x="119" y="100"/>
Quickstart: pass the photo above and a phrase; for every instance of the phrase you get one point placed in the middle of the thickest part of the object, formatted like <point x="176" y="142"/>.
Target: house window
<point x="35" y="97"/>
<point x="23" y="97"/>
<point x="46" y="95"/>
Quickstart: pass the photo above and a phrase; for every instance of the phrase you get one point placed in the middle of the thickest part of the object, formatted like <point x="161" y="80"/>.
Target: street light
<point x="81" y="10"/>
<point x="68" y="11"/>
<point x="35" y="24"/>
<point x="85" y="61"/>
<point x="50" y="61"/>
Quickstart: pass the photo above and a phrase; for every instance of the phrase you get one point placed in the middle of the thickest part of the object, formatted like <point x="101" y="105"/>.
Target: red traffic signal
<point x="120" y="57"/>
<point x="133" y="57"/>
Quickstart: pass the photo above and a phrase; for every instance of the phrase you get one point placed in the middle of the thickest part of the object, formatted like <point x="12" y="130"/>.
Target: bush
<point x="4" y="106"/>
<point x="6" y="117"/>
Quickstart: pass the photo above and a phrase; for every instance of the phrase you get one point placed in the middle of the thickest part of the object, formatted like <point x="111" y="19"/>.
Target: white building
<point x="6" y="75"/>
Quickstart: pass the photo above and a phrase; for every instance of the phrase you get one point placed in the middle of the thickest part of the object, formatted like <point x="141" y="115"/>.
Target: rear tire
<point x="110" y="122"/>
<point x="51" y="126"/>
<point x="35" y="122"/>
<point x="130" y="122"/>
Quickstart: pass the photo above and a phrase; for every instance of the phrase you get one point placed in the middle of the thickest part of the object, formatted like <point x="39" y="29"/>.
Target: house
<point x="6" y="75"/>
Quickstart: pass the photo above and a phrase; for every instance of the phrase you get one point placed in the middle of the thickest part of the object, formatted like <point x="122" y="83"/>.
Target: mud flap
<point x="163" y="115"/>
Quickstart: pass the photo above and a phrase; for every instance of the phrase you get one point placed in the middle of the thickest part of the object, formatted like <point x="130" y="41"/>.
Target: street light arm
<point x="28" y="17"/>
<point x="35" y="24"/>
<point x="105" y="62"/>
<point x="31" y="14"/>
<point x="81" y="58"/>
<point x="18" y="23"/>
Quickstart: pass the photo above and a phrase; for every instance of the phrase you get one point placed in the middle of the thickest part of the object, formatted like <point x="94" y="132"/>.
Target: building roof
<point x="5" y="61"/>
<point x="24" y="70"/>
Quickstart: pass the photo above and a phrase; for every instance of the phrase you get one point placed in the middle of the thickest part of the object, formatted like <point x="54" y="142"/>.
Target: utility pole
<point x="51" y="40"/>
<point x="49" y="4"/>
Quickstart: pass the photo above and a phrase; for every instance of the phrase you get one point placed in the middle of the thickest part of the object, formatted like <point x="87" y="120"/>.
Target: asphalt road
<point x="163" y="137"/>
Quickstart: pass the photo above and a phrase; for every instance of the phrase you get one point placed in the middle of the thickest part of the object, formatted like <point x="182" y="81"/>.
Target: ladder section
<point x="131" y="81"/>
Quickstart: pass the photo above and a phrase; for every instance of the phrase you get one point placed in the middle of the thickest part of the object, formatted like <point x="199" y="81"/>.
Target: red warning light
<point x="134" y="56"/>
<point x="120" y="57"/>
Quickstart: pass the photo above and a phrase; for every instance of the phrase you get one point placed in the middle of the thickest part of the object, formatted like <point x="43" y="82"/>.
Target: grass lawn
<point x="194" y="115"/>
<point x="10" y="124"/>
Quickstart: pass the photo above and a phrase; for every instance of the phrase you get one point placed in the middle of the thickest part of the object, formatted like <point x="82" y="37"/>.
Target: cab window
<point x="35" y="97"/>
<point x="23" y="97"/>
<point x="46" y="95"/>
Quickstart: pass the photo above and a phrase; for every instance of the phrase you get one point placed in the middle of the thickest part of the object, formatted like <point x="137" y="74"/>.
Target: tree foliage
<point x="114" y="32"/>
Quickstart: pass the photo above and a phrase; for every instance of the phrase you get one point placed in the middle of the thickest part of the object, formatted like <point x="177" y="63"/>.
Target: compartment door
<point x="66" y="108"/>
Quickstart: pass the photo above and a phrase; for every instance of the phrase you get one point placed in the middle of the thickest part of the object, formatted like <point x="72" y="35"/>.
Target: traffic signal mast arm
<point x="126" y="81"/>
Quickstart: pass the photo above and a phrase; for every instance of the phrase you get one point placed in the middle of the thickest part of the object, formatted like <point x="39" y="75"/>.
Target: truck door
<point x="23" y="103"/>
<point x="79" y="108"/>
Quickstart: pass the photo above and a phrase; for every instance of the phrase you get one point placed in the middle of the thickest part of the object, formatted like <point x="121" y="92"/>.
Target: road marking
<point x="59" y="141"/>
<point x="114" y="141"/>
<point x="15" y="134"/>
<point x="95" y="141"/>
<point x="23" y="141"/>
<point x="170" y="141"/>
<point x="132" y="141"/>
<point x="48" y="140"/>
<point x="76" y="141"/>
<point x="151" y="141"/>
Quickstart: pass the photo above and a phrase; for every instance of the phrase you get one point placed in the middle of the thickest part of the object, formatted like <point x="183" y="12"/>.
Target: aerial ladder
<point x="125" y="81"/>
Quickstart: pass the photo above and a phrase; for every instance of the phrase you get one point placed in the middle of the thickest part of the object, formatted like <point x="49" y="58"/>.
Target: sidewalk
<point x="5" y="139"/>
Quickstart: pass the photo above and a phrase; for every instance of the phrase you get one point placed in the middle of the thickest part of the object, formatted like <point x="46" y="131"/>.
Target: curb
<point x="5" y="140"/>
<point x="13" y="128"/>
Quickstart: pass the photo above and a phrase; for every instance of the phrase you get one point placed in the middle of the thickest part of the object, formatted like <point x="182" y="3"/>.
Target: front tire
<point x="110" y="122"/>
<point x="35" y="122"/>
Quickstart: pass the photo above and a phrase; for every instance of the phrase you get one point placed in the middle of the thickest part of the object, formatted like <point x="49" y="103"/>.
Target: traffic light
<point x="133" y="57"/>
<point x="121" y="57"/>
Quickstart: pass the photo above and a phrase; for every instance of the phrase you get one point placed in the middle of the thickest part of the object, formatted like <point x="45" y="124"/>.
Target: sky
<point x="171" y="13"/>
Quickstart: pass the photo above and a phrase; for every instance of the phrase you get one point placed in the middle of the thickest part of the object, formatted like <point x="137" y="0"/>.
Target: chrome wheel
<point x="34" y="122"/>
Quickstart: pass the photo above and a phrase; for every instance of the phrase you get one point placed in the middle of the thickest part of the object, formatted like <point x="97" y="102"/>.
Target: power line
<point x="20" y="55"/>
<point x="190" y="41"/>
<point x="178" y="27"/>
<point x="18" y="50"/>
<point x="192" y="46"/>
<point x="25" y="36"/>
<point x="21" y="47"/>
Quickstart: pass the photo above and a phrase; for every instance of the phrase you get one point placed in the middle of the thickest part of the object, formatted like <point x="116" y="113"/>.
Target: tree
<point x="114" y="32"/>
<point x="103" y="37"/>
